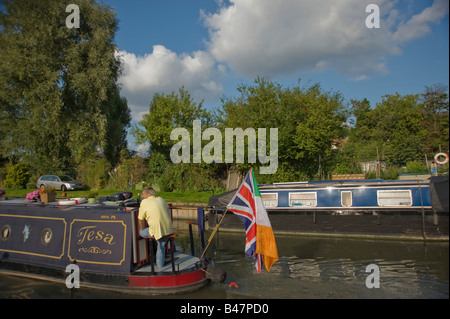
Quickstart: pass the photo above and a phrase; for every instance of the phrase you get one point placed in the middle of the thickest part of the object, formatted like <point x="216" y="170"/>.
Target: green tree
<point x="55" y="82"/>
<point x="401" y="128"/>
<point x="17" y="176"/>
<point x="308" y="121"/>
<point x="118" y="121"/>
<point x="392" y="131"/>
<point x="321" y="126"/>
<point x="362" y="142"/>
<point x="436" y="117"/>
<point x="166" y="113"/>
<point x="94" y="172"/>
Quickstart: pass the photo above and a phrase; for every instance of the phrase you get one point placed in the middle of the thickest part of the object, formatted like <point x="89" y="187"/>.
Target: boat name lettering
<point x="95" y="250"/>
<point x="90" y="233"/>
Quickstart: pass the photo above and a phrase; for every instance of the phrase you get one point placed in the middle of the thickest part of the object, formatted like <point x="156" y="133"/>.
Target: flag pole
<point x="213" y="233"/>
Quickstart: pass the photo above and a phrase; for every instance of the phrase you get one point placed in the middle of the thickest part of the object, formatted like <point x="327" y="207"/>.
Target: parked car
<point x="62" y="182"/>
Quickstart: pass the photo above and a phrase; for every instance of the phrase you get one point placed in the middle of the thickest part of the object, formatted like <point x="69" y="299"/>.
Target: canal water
<point x="308" y="267"/>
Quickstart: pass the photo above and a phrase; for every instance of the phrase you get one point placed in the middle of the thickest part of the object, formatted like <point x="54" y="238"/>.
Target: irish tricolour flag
<point x="247" y="204"/>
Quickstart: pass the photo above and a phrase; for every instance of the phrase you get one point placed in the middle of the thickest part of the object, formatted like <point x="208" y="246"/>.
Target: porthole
<point x="47" y="236"/>
<point x="6" y="232"/>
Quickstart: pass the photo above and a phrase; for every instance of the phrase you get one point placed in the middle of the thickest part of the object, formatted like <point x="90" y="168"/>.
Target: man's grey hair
<point x="149" y="191"/>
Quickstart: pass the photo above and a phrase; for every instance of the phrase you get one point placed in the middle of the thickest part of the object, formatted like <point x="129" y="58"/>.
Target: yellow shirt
<point x="156" y="211"/>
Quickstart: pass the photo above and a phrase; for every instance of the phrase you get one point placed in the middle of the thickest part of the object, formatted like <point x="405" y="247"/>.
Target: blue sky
<point x="210" y="47"/>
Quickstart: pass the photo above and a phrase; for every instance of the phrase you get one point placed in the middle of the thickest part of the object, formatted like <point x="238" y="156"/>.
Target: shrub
<point x="93" y="173"/>
<point x="17" y="176"/>
<point x="416" y="167"/>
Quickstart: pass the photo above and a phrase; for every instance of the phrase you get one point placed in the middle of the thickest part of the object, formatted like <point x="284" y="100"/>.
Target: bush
<point x="17" y="176"/>
<point x="129" y="172"/>
<point x="189" y="177"/>
<point x="93" y="173"/>
<point x="416" y="167"/>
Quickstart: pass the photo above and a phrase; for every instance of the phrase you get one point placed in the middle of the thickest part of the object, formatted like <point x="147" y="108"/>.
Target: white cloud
<point x="164" y="71"/>
<point x="419" y="24"/>
<point x="266" y="37"/>
<point x="278" y="38"/>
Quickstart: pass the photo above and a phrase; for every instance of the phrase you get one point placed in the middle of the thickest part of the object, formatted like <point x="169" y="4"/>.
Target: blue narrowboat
<point x="415" y="209"/>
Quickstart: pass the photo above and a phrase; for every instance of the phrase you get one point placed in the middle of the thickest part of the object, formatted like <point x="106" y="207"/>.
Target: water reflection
<point x="307" y="268"/>
<point x="336" y="268"/>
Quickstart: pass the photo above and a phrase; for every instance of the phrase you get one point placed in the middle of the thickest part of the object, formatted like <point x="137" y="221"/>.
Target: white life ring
<point x="436" y="158"/>
<point x="72" y="201"/>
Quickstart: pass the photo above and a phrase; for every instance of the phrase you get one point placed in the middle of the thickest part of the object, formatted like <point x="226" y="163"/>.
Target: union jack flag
<point x="243" y="205"/>
<point x="247" y="204"/>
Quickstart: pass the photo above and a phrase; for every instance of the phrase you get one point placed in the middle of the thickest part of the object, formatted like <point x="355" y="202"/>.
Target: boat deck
<point x="22" y="201"/>
<point x="182" y="262"/>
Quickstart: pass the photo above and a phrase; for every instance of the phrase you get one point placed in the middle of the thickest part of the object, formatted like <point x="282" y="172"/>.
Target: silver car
<point x="62" y="182"/>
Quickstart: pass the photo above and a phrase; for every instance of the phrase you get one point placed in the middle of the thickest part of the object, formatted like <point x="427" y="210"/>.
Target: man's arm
<point x="141" y="224"/>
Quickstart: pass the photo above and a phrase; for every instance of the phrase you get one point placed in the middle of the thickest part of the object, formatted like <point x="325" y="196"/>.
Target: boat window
<point x="270" y="199"/>
<point x="346" y="198"/>
<point x="303" y="199"/>
<point x="394" y="198"/>
<point x="6" y="232"/>
<point x="46" y="236"/>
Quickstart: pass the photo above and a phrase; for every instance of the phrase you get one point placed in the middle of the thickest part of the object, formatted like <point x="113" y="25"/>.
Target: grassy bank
<point x="185" y="197"/>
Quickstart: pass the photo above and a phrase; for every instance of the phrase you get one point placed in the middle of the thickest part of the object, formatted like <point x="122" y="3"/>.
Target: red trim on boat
<point x="169" y="281"/>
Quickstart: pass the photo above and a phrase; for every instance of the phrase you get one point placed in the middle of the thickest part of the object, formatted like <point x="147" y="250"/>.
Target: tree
<point x="392" y="131"/>
<point x="55" y="82"/>
<point x="436" y="117"/>
<point x="362" y="141"/>
<point x="323" y="123"/>
<point x="166" y="113"/>
<point x="308" y="121"/>
<point x="17" y="176"/>
<point x="118" y="119"/>
<point x="256" y="107"/>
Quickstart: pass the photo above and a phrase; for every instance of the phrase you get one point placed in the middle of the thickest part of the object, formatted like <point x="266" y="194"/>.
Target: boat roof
<point x="20" y="201"/>
<point x="347" y="182"/>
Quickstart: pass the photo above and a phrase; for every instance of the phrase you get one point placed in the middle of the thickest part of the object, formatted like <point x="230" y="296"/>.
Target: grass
<point x="185" y="197"/>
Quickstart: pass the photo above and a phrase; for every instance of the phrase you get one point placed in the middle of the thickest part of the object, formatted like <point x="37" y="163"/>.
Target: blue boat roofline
<point x="347" y="182"/>
<point x="379" y="180"/>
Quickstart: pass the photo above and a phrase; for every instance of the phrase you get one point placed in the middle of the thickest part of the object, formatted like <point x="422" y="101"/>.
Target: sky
<point x="212" y="46"/>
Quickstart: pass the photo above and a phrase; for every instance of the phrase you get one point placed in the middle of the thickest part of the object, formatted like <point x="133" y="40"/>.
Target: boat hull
<point x="140" y="284"/>
<point x="368" y="224"/>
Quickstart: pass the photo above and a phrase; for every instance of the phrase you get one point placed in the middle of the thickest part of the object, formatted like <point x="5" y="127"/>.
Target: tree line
<point x="61" y="112"/>
<point x="319" y="133"/>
